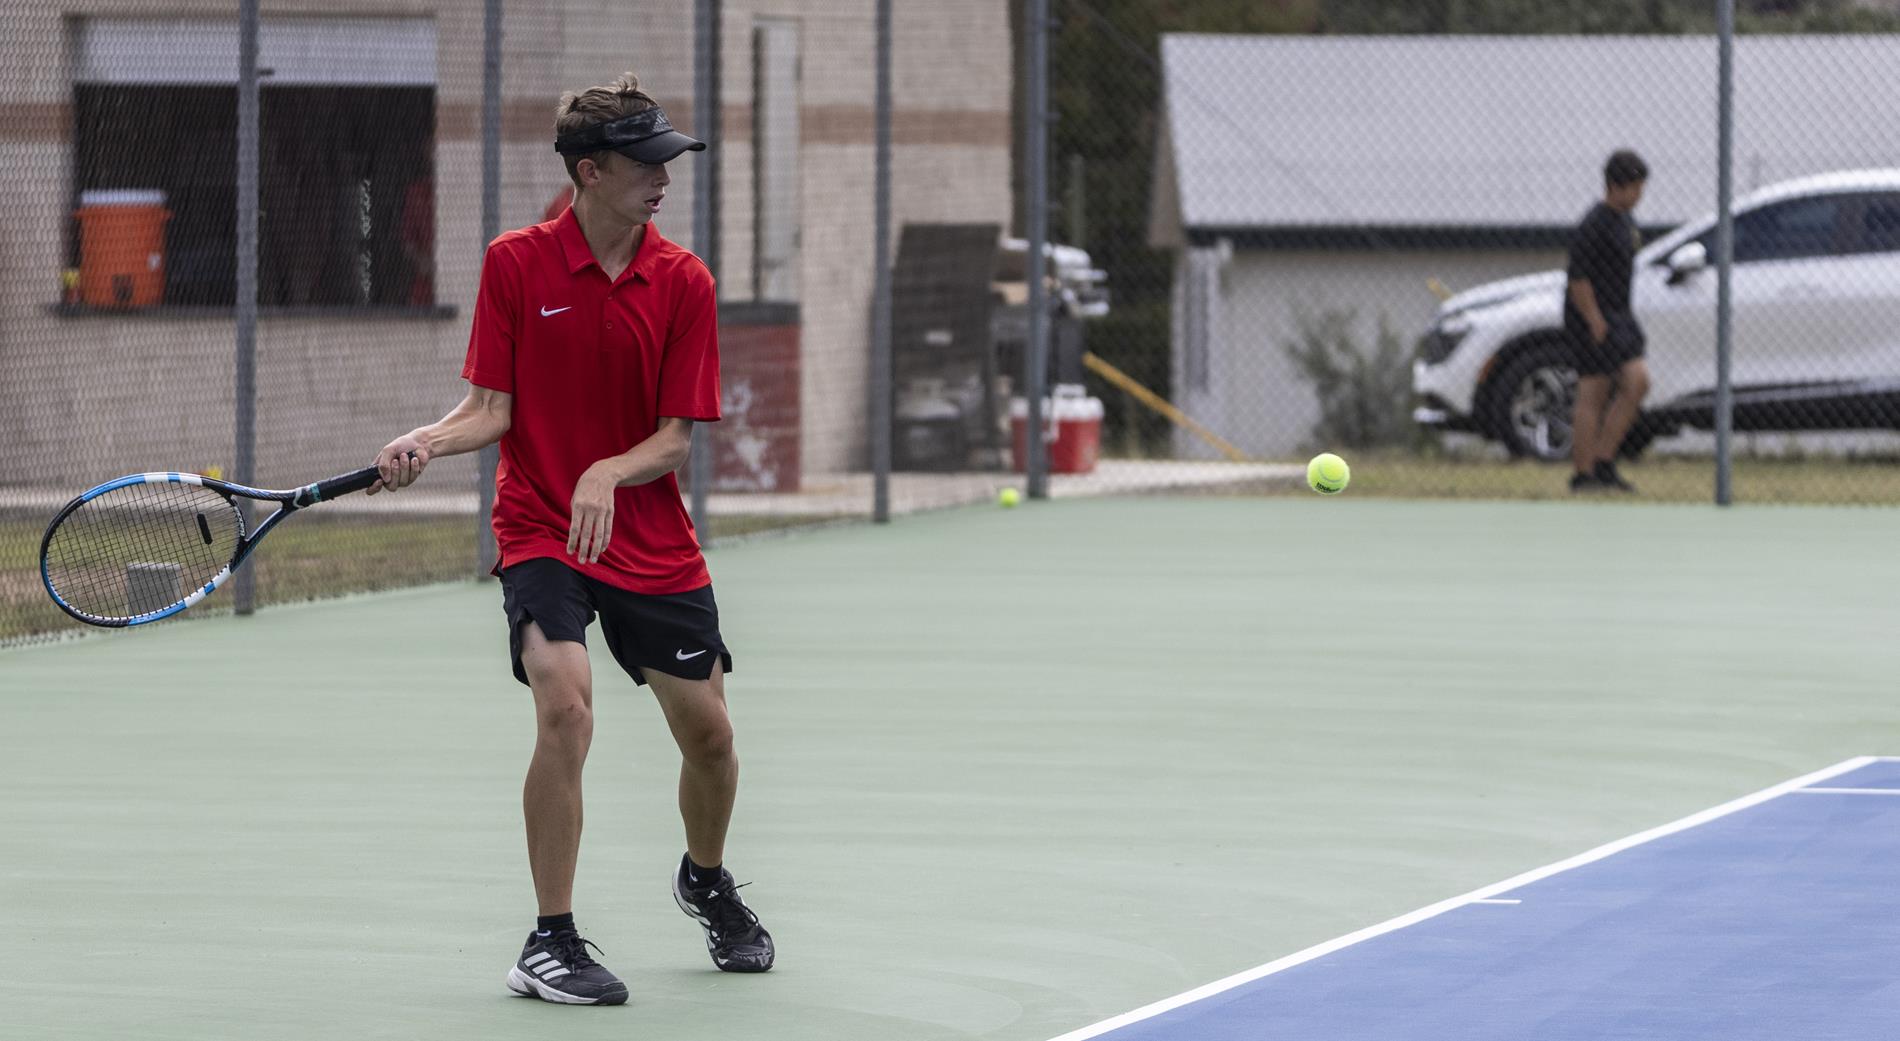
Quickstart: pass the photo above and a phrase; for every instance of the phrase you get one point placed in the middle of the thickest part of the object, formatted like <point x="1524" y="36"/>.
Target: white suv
<point x="1816" y="313"/>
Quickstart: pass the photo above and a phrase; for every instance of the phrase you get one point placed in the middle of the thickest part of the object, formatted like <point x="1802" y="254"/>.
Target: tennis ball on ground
<point x="1008" y="497"/>
<point x="1328" y="474"/>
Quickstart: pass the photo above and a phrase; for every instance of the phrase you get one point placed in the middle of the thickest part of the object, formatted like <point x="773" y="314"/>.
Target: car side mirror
<point x="1688" y="259"/>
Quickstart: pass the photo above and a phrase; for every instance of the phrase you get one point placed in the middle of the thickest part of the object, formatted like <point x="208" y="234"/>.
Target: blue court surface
<point x="1776" y="916"/>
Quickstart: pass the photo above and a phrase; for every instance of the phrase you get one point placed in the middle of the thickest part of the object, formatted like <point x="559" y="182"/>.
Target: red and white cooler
<point x="1071" y="427"/>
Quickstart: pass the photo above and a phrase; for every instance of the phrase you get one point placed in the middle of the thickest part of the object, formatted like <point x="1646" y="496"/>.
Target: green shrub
<point x="1365" y="396"/>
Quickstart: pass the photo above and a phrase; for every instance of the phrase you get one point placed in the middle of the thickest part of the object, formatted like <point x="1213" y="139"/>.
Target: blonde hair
<point x="596" y="105"/>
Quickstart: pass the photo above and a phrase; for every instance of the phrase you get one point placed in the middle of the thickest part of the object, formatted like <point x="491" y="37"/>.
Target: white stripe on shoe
<point x="529" y="987"/>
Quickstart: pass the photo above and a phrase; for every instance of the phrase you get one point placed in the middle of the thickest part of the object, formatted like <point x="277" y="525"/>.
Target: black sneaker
<point x="1584" y="484"/>
<point x="557" y="968"/>
<point x="734" y="937"/>
<point x="1607" y="476"/>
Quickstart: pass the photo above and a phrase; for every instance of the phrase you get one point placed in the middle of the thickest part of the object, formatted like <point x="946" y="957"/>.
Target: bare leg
<point x="562" y="681"/>
<point x="709" y="768"/>
<point x="1593" y="393"/>
<point x="1632" y="386"/>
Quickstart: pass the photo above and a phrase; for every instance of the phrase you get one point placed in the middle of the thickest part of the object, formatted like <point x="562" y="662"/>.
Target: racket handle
<point x="341" y="484"/>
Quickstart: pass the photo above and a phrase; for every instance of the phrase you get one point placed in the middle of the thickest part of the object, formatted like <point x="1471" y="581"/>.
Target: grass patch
<point x="324" y="555"/>
<point x="1869" y="481"/>
<point x="310" y="557"/>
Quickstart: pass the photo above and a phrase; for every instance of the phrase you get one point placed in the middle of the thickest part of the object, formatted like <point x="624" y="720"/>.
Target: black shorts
<point x="676" y="633"/>
<point x="1623" y="345"/>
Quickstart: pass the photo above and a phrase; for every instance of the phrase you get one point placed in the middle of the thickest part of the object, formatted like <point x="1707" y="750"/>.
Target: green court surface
<point x="1006" y="772"/>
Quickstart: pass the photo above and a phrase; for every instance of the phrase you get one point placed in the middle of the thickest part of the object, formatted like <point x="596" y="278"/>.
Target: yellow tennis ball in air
<point x="1008" y="497"/>
<point x="1328" y="474"/>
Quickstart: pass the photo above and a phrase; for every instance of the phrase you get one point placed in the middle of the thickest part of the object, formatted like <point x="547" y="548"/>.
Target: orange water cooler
<point x="122" y="248"/>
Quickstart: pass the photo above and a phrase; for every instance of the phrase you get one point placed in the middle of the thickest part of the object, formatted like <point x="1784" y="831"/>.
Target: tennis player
<point x="593" y="353"/>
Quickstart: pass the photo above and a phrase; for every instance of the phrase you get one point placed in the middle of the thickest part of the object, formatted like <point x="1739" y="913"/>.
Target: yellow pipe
<point x="1161" y="405"/>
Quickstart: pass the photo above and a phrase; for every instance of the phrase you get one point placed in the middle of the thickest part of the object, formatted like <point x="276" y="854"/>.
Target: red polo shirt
<point x="593" y="365"/>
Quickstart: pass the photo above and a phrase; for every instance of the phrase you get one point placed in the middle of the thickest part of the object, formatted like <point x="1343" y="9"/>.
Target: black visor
<point x="644" y="137"/>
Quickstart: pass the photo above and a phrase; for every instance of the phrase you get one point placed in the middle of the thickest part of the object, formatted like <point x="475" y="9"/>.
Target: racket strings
<point x="141" y="548"/>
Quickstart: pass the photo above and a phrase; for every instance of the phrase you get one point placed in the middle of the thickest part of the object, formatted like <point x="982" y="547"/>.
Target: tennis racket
<point x="146" y="546"/>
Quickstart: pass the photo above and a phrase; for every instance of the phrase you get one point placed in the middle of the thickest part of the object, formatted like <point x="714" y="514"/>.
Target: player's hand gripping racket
<point x="146" y="546"/>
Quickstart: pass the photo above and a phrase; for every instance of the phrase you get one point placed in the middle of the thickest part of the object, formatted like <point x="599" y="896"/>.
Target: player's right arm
<point x="485" y="414"/>
<point x="479" y="421"/>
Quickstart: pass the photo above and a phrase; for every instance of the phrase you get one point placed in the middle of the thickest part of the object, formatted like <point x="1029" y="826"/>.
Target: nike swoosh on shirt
<point x="545" y="312"/>
<point x="683" y="656"/>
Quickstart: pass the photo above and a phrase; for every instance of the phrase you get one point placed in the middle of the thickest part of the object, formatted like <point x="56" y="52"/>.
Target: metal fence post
<point x="881" y="360"/>
<point x="699" y="461"/>
<point x="244" y="454"/>
<point x="1036" y="217"/>
<point x="1724" y="249"/>
<point x="490" y="456"/>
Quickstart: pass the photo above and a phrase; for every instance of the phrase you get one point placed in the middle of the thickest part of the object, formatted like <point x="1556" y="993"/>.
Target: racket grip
<point x="341" y="484"/>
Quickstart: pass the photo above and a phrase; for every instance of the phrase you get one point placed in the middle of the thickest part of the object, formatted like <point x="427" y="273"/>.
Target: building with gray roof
<point x="1297" y="176"/>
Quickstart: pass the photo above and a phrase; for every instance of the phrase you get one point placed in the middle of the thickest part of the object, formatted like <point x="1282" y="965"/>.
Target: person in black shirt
<point x="1611" y="376"/>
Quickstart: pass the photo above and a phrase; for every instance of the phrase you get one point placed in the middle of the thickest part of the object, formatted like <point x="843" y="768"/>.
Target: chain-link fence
<point x="1273" y="229"/>
<point x="121" y="350"/>
<point x="1346" y="226"/>
<point x="389" y="148"/>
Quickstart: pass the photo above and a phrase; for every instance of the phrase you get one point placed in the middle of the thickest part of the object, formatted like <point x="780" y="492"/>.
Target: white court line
<point x="1485" y="894"/>
<point x="1849" y="791"/>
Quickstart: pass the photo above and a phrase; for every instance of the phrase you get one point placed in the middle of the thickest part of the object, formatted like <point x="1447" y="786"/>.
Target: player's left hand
<point x="591" y="523"/>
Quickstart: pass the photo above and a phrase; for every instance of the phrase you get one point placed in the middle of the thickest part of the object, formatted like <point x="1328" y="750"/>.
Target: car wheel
<point x="1530" y="402"/>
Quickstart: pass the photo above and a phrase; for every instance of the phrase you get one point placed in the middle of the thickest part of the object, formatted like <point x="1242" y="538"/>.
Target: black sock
<point x="695" y="876"/>
<point x="554" y="923"/>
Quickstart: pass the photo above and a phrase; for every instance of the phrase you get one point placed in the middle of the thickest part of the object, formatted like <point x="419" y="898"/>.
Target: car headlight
<point x="1443" y="338"/>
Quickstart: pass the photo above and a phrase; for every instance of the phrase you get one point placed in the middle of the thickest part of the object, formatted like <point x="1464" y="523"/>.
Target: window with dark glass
<point x="346" y="193"/>
<point x="1790" y="230"/>
<point x="1878" y="223"/>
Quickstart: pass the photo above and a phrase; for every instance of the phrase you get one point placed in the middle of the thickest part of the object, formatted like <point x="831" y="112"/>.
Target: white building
<point x="1301" y="175"/>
